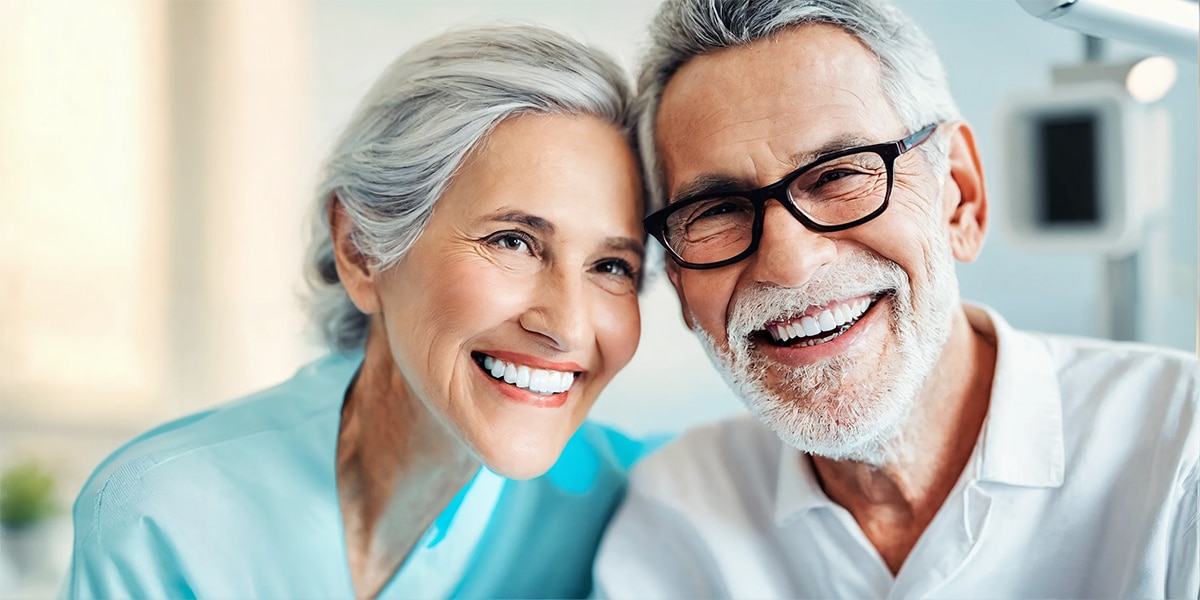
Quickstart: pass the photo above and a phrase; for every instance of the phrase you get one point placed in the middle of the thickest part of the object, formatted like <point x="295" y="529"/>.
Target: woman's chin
<point x="520" y="459"/>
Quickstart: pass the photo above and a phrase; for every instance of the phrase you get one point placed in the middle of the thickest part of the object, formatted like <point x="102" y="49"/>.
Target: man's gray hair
<point x="911" y="74"/>
<point x="416" y="125"/>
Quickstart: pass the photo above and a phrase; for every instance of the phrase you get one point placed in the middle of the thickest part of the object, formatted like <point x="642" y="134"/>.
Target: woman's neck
<point x="398" y="467"/>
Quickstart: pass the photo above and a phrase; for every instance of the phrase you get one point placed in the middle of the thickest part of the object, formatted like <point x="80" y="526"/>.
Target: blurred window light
<point x="155" y="167"/>
<point x="81" y="111"/>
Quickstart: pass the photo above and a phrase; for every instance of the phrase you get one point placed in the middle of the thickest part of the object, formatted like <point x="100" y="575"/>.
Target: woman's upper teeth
<point x="538" y="381"/>
<point x="832" y="317"/>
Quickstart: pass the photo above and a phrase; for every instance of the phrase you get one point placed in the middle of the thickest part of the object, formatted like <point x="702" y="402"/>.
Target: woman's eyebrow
<point x="624" y="243"/>
<point x="524" y="218"/>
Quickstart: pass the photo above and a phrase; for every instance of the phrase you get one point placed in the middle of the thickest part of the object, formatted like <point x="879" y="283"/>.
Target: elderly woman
<point x="476" y="272"/>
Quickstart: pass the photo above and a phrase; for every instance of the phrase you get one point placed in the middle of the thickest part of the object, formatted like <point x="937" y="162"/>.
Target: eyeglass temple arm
<point x="917" y="138"/>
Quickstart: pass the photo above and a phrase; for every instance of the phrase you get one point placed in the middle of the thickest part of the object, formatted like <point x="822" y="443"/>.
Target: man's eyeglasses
<point x="837" y="191"/>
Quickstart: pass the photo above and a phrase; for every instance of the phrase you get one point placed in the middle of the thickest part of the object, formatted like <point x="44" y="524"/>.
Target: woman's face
<point x="518" y="302"/>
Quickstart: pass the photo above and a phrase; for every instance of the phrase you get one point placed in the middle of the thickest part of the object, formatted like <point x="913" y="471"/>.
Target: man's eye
<point x="833" y="175"/>
<point x="723" y="208"/>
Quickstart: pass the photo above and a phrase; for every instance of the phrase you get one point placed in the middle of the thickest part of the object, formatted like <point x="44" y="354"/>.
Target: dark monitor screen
<point x="1068" y="163"/>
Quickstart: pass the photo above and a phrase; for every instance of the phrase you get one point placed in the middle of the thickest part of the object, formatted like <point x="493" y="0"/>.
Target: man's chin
<point x="866" y="436"/>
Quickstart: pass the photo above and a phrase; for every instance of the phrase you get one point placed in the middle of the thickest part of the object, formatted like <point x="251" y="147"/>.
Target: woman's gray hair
<point x="911" y="74"/>
<point x="416" y="125"/>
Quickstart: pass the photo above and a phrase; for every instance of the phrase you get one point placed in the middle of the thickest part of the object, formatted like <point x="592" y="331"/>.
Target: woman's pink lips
<point x="524" y="396"/>
<point x="532" y="361"/>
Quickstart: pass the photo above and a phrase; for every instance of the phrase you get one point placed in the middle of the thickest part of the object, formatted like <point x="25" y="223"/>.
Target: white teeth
<point x="810" y="326"/>
<point x="833" y="317"/>
<point x="826" y="321"/>
<point x="539" y="381"/>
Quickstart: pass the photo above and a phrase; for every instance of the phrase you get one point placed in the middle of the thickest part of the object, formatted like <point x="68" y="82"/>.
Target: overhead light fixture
<point x="1150" y="79"/>
<point x="1146" y="80"/>
<point x="1163" y="26"/>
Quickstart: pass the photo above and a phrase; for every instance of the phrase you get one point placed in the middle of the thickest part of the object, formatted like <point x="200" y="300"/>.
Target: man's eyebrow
<point x="837" y="144"/>
<point x="706" y="184"/>
<point x="524" y="218"/>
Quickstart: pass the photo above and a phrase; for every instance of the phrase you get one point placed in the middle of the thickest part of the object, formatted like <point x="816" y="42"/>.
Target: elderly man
<point x="815" y="186"/>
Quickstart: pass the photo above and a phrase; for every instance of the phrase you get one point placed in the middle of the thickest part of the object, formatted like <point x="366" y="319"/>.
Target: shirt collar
<point x="1022" y="440"/>
<point x="796" y="487"/>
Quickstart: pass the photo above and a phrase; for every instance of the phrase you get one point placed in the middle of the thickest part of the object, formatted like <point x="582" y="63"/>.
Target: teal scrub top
<point x="241" y="501"/>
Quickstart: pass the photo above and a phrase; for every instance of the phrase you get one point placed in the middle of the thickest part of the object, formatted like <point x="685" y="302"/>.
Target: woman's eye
<point x="512" y="241"/>
<point x="617" y="267"/>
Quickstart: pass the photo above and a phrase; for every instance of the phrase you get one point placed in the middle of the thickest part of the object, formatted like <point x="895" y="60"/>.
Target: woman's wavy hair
<point x="418" y="123"/>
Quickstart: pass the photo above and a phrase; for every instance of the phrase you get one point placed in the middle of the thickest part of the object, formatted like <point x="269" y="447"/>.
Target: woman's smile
<point x="528" y="379"/>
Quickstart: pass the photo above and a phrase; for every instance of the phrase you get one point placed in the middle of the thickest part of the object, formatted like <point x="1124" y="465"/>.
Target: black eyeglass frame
<point x="655" y="223"/>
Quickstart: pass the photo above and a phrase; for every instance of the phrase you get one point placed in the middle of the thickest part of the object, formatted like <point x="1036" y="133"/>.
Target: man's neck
<point x="397" y="468"/>
<point x="893" y="504"/>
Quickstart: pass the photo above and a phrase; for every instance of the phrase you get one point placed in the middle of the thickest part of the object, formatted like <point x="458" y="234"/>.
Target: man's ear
<point x="354" y="270"/>
<point x="673" y="275"/>
<point x="965" y="198"/>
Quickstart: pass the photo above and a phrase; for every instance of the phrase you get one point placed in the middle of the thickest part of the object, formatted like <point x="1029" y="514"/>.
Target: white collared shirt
<point x="1083" y="484"/>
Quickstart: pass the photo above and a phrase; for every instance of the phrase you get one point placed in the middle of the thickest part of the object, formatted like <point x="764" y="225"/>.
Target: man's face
<point x="752" y="114"/>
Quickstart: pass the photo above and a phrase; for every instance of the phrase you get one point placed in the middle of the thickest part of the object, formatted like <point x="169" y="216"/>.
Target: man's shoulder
<point x="736" y="455"/>
<point x="1149" y="394"/>
<point x="1093" y="369"/>
<point x="1074" y="351"/>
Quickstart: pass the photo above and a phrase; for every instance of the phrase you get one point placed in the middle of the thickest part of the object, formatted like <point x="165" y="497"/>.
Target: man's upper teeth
<point x="539" y="381"/>
<point x="832" y="317"/>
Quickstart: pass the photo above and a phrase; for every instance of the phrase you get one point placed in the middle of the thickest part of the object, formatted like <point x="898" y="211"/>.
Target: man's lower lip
<point x="524" y="396"/>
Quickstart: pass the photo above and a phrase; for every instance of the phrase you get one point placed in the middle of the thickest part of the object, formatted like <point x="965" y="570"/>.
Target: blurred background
<point x="156" y="166"/>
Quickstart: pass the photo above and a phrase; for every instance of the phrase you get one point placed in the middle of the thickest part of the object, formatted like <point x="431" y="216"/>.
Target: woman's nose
<point x="559" y="311"/>
<point x="788" y="252"/>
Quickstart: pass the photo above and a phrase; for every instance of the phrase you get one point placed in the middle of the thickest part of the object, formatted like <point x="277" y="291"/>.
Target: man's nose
<point x="788" y="252"/>
<point x="559" y="310"/>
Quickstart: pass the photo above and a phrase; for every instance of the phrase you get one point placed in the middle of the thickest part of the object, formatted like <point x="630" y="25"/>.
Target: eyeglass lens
<point x="833" y="192"/>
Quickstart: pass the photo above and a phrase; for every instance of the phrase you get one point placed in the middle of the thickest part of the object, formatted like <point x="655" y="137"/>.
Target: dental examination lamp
<point x="1163" y="26"/>
<point x="1086" y="168"/>
<point x="1085" y="161"/>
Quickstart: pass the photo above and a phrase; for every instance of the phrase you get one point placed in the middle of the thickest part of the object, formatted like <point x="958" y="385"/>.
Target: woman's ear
<point x="965" y="196"/>
<point x="354" y="270"/>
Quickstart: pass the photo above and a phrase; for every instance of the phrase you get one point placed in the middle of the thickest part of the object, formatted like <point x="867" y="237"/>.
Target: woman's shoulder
<point x="203" y="448"/>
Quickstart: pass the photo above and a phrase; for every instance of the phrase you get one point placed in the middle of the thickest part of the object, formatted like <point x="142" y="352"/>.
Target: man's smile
<point x="817" y="324"/>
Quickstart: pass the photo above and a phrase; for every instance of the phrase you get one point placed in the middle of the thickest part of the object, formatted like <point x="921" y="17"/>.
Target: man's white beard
<point x="851" y="406"/>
